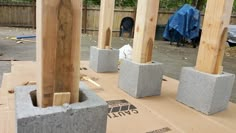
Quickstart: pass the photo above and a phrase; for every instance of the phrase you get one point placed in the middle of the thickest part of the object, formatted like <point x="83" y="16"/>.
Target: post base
<point x="104" y="60"/>
<point x="88" y="116"/>
<point x="207" y="93"/>
<point x="140" y="80"/>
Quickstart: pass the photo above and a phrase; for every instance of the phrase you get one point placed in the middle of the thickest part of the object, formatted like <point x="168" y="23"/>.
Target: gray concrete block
<point x="140" y="80"/>
<point x="104" y="60"/>
<point x="207" y="93"/>
<point x="88" y="116"/>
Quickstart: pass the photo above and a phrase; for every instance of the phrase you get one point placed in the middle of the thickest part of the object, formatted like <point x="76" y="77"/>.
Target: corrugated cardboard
<point x="158" y="114"/>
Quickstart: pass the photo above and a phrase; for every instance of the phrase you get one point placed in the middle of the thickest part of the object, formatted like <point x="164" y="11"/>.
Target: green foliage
<point x="175" y="4"/>
<point x="165" y="4"/>
<point x="120" y="3"/>
<point x="171" y="4"/>
<point x="126" y="3"/>
<point x="16" y="1"/>
<point x="234" y="6"/>
<point x="92" y="2"/>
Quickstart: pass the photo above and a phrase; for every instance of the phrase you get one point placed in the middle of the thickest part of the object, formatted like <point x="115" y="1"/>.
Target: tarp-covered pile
<point x="185" y="23"/>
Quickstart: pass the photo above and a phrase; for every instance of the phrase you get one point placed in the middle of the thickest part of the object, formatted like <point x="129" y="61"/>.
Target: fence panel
<point x="22" y="13"/>
<point x="19" y="13"/>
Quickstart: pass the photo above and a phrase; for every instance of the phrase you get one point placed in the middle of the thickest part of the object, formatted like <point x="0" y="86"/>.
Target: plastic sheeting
<point x="232" y="33"/>
<point x="184" y="23"/>
<point x="125" y="52"/>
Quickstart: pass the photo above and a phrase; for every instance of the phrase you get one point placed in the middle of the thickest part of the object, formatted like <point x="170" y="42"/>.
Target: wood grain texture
<point x="220" y="56"/>
<point x="58" y="48"/>
<point x="105" y="23"/>
<point x="61" y="98"/>
<point x="145" y="28"/>
<point x="214" y="35"/>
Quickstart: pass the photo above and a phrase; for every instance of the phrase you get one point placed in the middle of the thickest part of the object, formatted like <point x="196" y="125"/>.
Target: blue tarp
<point x="184" y="23"/>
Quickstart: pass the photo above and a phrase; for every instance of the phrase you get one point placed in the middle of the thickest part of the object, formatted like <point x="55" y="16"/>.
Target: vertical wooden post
<point x="105" y="23"/>
<point x="58" y="49"/>
<point x="34" y="14"/>
<point x="85" y="16"/>
<point x="214" y="35"/>
<point x="145" y="27"/>
<point x="134" y="16"/>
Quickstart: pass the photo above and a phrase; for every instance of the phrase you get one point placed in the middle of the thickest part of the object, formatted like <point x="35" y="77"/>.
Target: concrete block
<point x="207" y="93"/>
<point x="104" y="60"/>
<point x="140" y="80"/>
<point x="88" y="116"/>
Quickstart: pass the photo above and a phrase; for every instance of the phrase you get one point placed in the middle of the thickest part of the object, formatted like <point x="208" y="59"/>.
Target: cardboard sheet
<point x="157" y="114"/>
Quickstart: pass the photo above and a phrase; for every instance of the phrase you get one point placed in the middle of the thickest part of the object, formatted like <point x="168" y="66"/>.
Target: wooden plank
<point x="11" y="121"/>
<point x="4" y="122"/>
<point x="220" y="56"/>
<point x="106" y="23"/>
<point x="33" y="14"/>
<point x="145" y="28"/>
<point x="214" y="32"/>
<point x="17" y="66"/>
<point x="59" y="24"/>
<point x="61" y="98"/>
<point x="3" y="102"/>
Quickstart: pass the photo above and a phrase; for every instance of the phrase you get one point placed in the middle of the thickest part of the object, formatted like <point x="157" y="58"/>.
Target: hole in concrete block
<point x="33" y="98"/>
<point x="82" y="97"/>
<point x="164" y="79"/>
<point x="33" y="95"/>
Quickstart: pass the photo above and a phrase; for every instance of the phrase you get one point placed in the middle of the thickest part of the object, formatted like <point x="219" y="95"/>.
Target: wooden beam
<point x="214" y="35"/>
<point x="58" y="49"/>
<point x="61" y="98"/>
<point x="145" y="28"/>
<point x="34" y="14"/>
<point x="106" y="23"/>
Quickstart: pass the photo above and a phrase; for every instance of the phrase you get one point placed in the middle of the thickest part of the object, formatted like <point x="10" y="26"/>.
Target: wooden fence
<point x="23" y="15"/>
<point x="91" y="19"/>
<point x="17" y="14"/>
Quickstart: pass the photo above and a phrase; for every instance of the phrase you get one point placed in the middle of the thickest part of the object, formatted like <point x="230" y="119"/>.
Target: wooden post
<point x="105" y="23"/>
<point x="58" y="50"/>
<point x="145" y="28"/>
<point x="85" y="16"/>
<point x="34" y="14"/>
<point x="134" y="16"/>
<point x="214" y="35"/>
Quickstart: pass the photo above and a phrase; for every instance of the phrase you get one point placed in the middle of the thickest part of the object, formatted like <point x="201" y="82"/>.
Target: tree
<point x="120" y="3"/>
<point x="166" y="4"/>
<point x="199" y="4"/>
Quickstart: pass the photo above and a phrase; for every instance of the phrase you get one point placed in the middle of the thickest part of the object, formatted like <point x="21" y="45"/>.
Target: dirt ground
<point x="174" y="58"/>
